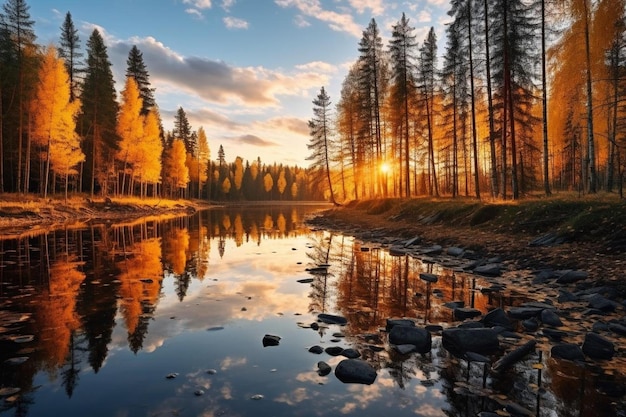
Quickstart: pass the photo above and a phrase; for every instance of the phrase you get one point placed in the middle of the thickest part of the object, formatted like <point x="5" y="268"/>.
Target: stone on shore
<point x="323" y="368"/>
<point x="409" y="335"/>
<point x="515" y="356"/>
<point x="459" y="341"/>
<point x="355" y="371"/>
<point x="466" y="313"/>
<point x="491" y="269"/>
<point x="497" y="317"/>
<point x="391" y="323"/>
<point x="597" y="347"/>
<point x="550" y="318"/>
<point x="567" y="351"/>
<point x="569" y="277"/>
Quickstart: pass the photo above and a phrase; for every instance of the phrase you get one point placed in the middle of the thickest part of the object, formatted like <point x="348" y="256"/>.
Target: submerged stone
<point x="270" y="340"/>
<point x="355" y="371"/>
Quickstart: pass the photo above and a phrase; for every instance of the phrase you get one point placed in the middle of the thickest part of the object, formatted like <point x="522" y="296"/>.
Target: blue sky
<point x="245" y="70"/>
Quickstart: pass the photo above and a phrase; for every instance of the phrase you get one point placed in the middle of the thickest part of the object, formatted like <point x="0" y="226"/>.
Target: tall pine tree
<point x="136" y="68"/>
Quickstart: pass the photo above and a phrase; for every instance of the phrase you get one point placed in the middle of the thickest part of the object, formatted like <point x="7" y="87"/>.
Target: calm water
<point x="93" y="320"/>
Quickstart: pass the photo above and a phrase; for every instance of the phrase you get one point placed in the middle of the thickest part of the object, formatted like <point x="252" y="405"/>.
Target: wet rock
<point x="355" y="371"/>
<point x="405" y="349"/>
<point x="305" y="280"/>
<point x="315" y="326"/>
<point x="550" y="318"/>
<point x="334" y="350"/>
<point x="351" y="353"/>
<point x="454" y="304"/>
<point x="531" y="324"/>
<point x="476" y="357"/>
<point x="332" y="319"/>
<point x="516" y="410"/>
<point x="543" y="276"/>
<point x="471" y="325"/>
<point x="549" y="239"/>
<point x="391" y="323"/>
<point x="515" y="356"/>
<point x="198" y="392"/>
<point x="497" y="317"/>
<point x="413" y="241"/>
<point x="601" y="303"/>
<point x="523" y="313"/>
<point x="431" y="250"/>
<point x="398" y="251"/>
<point x="434" y="328"/>
<point x="316" y="349"/>
<point x="172" y="375"/>
<point x="454" y="251"/>
<point x="459" y="341"/>
<point x="410" y="335"/>
<point x="600" y="326"/>
<point x="570" y="276"/>
<point x="617" y="328"/>
<point x="555" y="335"/>
<point x="490" y="269"/>
<point x="566" y="296"/>
<point x="323" y="368"/>
<point x="428" y="277"/>
<point x="270" y="340"/>
<point x="487" y="414"/>
<point x="597" y="347"/>
<point x="567" y="351"/>
<point x="466" y="313"/>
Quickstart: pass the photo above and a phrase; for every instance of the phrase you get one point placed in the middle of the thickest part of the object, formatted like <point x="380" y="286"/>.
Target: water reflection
<point x="104" y="313"/>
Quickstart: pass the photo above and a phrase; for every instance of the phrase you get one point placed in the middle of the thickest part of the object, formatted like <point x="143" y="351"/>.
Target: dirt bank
<point x="560" y="233"/>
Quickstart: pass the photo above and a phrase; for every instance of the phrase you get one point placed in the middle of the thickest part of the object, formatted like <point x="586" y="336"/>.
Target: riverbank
<point x="28" y="214"/>
<point x="563" y="232"/>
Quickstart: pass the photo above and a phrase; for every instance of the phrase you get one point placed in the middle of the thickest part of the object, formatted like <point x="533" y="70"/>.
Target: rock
<point x="617" y="329"/>
<point x="172" y="375"/>
<point x="553" y="334"/>
<point x="476" y="357"/>
<point x="412" y="241"/>
<point x="471" y="325"/>
<point x="516" y="410"/>
<point x="410" y="335"/>
<point x="316" y="349"/>
<point x="490" y="269"/>
<point x="459" y="341"/>
<point x="550" y="318"/>
<point x="523" y="313"/>
<point x="434" y="328"/>
<point x="569" y="277"/>
<point x="332" y="319"/>
<point x="198" y="392"/>
<point x="497" y="317"/>
<point x="597" y="347"/>
<point x="391" y="323"/>
<point x="454" y="251"/>
<point x="531" y="324"/>
<point x="431" y="250"/>
<point x="334" y="350"/>
<point x="466" y="313"/>
<point x="323" y="368"/>
<point x="515" y="356"/>
<point x="355" y="371"/>
<point x="600" y="326"/>
<point x="351" y="353"/>
<point x="601" y="303"/>
<point x="454" y="304"/>
<point x="270" y="340"/>
<point x="567" y="351"/>
<point x="566" y="296"/>
<point x="428" y="277"/>
<point x="405" y="349"/>
<point x="315" y="326"/>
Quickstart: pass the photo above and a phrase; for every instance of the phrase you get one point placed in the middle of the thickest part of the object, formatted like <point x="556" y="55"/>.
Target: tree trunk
<point x="591" y="153"/>
<point x="473" y="104"/>
<point x="492" y="138"/>
<point x="544" y="100"/>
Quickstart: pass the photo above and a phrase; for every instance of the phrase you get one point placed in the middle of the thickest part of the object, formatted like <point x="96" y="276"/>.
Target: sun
<point x="385" y="168"/>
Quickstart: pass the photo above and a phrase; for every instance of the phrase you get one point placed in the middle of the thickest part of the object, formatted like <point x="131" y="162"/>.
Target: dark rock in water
<point x="351" y="353"/>
<point x="431" y="250"/>
<point x="542" y="305"/>
<point x="391" y="323"/>
<point x="398" y="251"/>
<point x="270" y="340"/>
<point x="567" y="351"/>
<point x="405" y="349"/>
<point x="334" y="350"/>
<point x="323" y="368"/>
<point x="531" y="324"/>
<point x="491" y="270"/>
<point x="515" y="356"/>
<point x="409" y="335"/>
<point x="471" y="325"/>
<point x="305" y="280"/>
<point x="497" y="317"/>
<point x="569" y="277"/>
<point x="459" y="341"/>
<point x="550" y="318"/>
<point x="516" y="410"/>
<point x="454" y="251"/>
<point x="454" y="304"/>
<point x="600" y="326"/>
<point x="428" y="277"/>
<point x="597" y="347"/>
<point x="617" y="328"/>
<point x="434" y="328"/>
<point x="355" y="371"/>
<point x="476" y="357"/>
<point x="601" y="303"/>
<point x="315" y="326"/>
<point x="316" y="349"/>
<point x="611" y="388"/>
<point x="466" y="313"/>
<point x="555" y="335"/>
<point x="332" y="319"/>
<point x="566" y="296"/>
<point x="523" y="313"/>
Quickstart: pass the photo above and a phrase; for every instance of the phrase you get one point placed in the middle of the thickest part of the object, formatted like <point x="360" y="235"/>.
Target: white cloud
<point x="235" y="23"/>
<point x="301" y="22"/>
<point x="376" y="6"/>
<point x="318" y="66"/>
<point x="227" y="4"/>
<point x="200" y="4"/>
<point x="194" y="12"/>
<point x="339" y="22"/>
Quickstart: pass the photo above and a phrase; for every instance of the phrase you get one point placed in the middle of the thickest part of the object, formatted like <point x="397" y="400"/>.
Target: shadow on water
<point x="141" y="296"/>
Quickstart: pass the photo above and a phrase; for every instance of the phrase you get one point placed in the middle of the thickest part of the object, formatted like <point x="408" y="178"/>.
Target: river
<point x="168" y="318"/>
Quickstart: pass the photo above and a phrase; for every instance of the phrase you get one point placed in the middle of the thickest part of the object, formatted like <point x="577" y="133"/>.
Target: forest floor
<point x="25" y="215"/>
<point x="562" y="232"/>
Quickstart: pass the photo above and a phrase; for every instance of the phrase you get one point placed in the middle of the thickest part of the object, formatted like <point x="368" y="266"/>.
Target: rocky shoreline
<point x="577" y="314"/>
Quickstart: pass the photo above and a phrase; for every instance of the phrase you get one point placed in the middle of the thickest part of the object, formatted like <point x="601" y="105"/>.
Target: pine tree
<point x="137" y="69"/>
<point x="69" y="50"/>
<point x="182" y="131"/>
<point x="320" y="143"/>
<point x="97" y="122"/>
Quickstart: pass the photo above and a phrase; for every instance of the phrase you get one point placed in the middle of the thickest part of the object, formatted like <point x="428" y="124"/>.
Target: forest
<point x="64" y="130"/>
<point x="528" y="96"/>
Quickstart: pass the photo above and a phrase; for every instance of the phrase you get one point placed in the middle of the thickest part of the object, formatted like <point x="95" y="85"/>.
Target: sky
<point x="246" y="71"/>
